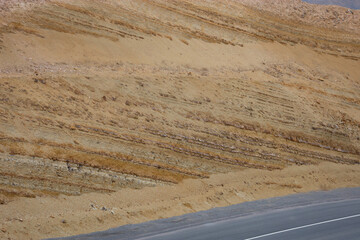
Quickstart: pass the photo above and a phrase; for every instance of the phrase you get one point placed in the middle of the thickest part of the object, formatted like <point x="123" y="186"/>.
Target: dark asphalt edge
<point x="134" y="231"/>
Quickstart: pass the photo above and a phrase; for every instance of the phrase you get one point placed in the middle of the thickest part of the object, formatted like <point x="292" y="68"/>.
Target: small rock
<point x="63" y="221"/>
<point x="36" y="80"/>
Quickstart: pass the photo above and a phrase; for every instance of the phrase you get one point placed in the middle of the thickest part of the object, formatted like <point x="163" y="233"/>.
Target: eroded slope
<point x="97" y="96"/>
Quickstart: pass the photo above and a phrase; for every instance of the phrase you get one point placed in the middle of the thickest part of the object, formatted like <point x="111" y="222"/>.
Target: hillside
<point x="98" y="96"/>
<point x="183" y="91"/>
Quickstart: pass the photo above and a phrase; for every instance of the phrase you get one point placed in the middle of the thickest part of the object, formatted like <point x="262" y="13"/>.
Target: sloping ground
<point x="49" y="217"/>
<point x="102" y="95"/>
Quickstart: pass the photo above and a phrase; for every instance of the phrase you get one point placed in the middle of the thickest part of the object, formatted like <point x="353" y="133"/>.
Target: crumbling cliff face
<point x="102" y="95"/>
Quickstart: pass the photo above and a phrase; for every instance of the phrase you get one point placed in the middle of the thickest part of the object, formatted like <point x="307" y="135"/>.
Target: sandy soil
<point x="114" y="112"/>
<point x="63" y="216"/>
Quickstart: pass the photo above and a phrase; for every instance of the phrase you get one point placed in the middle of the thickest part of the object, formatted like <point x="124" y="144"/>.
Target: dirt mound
<point x="157" y="92"/>
<point x="98" y="96"/>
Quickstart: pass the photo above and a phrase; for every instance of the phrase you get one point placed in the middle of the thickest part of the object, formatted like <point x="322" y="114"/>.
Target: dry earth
<point x="38" y="218"/>
<point x="98" y="96"/>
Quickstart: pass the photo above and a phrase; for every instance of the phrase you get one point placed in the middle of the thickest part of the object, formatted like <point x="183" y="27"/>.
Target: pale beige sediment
<point x="45" y="217"/>
<point x="105" y="96"/>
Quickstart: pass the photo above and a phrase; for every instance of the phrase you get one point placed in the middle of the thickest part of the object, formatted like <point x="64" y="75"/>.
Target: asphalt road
<point x="310" y="222"/>
<point x="319" y="215"/>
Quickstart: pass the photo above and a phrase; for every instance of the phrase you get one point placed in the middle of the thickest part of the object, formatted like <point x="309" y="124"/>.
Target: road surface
<point x="318" y="215"/>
